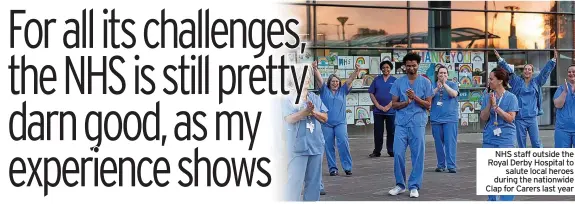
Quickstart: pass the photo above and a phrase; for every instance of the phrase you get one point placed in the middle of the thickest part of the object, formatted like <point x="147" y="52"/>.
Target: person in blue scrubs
<point x="564" y="100"/>
<point x="412" y="95"/>
<point x="333" y="95"/>
<point x="382" y="112"/>
<point x="499" y="109"/>
<point x="305" y="143"/>
<point x="528" y="91"/>
<point x="444" y="118"/>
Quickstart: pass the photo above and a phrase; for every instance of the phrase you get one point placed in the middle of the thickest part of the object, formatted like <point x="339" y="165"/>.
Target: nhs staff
<point x="444" y="120"/>
<point x="528" y="91"/>
<point x="499" y="108"/>
<point x="564" y="100"/>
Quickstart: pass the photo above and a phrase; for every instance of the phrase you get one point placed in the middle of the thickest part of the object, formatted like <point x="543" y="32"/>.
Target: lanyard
<point x="500" y="99"/>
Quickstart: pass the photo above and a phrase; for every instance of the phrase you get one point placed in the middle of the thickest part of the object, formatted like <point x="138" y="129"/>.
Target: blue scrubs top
<point x="380" y="89"/>
<point x="300" y="140"/>
<point x="413" y="115"/>
<point x="448" y="111"/>
<point x="528" y="96"/>
<point x="507" y="103"/>
<point x="335" y="103"/>
<point x="565" y="118"/>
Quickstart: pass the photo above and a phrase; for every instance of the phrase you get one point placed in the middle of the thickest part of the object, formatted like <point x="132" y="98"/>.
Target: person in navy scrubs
<point x="444" y="118"/>
<point x="528" y="91"/>
<point x="412" y="95"/>
<point x="499" y="108"/>
<point x="305" y="143"/>
<point x="333" y="94"/>
<point x="564" y="100"/>
<point x="382" y="112"/>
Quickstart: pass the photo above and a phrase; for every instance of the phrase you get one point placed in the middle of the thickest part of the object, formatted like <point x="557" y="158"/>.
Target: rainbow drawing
<point x="465" y="81"/>
<point x="360" y="60"/>
<point x="465" y="68"/>
<point x="467" y="107"/>
<point x="322" y="62"/>
<point x="475" y="95"/>
<point x="367" y="80"/>
<point x="362" y="112"/>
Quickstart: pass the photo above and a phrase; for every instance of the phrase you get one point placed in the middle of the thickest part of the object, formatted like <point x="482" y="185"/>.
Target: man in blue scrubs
<point x="564" y="100"/>
<point x="528" y="92"/>
<point x="412" y="96"/>
<point x="333" y="95"/>
<point x="305" y="143"/>
<point x="382" y="112"/>
<point x="444" y="118"/>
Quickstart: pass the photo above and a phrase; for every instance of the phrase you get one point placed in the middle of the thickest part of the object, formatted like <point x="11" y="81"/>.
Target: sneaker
<point x="390" y="154"/>
<point x="322" y="192"/>
<point x="413" y="193"/>
<point x="333" y="173"/>
<point x="452" y="171"/>
<point x="348" y="173"/>
<point x="374" y="155"/>
<point x="396" y="190"/>
<point x="439" y="169"/>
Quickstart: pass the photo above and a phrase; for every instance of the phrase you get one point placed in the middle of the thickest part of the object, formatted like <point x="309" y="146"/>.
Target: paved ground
<point x="373" y="177"/>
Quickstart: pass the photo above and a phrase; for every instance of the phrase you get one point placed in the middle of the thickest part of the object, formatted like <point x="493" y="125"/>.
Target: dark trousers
<point x="378" y="132"/>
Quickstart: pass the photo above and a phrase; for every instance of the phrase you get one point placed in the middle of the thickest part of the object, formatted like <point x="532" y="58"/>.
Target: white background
<point x="267" y="143"/>
<point x="486" y="174"/>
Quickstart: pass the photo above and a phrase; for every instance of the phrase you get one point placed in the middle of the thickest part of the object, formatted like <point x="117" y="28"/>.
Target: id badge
<point x="310" y="126"/>
<point x="497" y="132"/>
<point x="439" y="103"/>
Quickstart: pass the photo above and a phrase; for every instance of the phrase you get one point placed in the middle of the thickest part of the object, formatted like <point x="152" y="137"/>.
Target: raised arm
<point x="352" y="77"/>
<point x="317" y="75"/>
<point x="513" y="78"/>
<point x="544" y="74"/>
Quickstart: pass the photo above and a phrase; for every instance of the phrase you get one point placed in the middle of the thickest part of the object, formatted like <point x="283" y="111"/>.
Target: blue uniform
<point x="529" y="99"/>
<point x="410" y="123"/>
<point x="506" y="138"/>
<point x="444" y="118"/>
<point x="380" y="89"/>
<point x="336" y="127"/>
<point x="565" y="120"/>
<point x="305" y="145"/>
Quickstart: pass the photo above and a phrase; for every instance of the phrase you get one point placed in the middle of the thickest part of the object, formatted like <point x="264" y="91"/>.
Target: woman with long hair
<point x="333" y="94"/>
<point x="499" y="109"/>
<point x="528" y="91"/>
<point x="444" y="118"/>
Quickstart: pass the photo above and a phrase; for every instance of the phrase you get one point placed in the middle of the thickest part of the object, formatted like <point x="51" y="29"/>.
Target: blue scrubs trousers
<point x="332" y="135"/>
<point x="445" y="136"/>
<point x="501" y="197"/>
<point x="304" y="170"/>
<point x="564" y="139"/>
<point x="528" y="125"/>
<point x="415" y="138"/>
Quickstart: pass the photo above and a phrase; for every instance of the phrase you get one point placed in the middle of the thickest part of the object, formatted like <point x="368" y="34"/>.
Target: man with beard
<point x="381" y="98"/>
<point x="412" y="95"/>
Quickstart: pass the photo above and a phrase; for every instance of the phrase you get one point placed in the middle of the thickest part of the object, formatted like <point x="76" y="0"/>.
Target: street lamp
<point x="512" y="36"/>
<point x="342" y="20"/>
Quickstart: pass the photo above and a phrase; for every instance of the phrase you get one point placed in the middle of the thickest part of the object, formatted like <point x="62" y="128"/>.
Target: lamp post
<point x="512" y="36"/>
<point x="342" y="20"/>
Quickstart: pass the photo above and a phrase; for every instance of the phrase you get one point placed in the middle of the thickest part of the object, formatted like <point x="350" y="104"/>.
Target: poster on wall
<point x="345" y="62"/>
<point x="467" y="107"/>
<point x="374" y="65"/>
<point x="473" y="118"/>
<point x="306" y="57"/>
<point x="363" y="62"/>
<point x="365" y="99"/>
<point x="477" y="57"/>
<point x="352" y="99"/>
<point x="362" y="112"/>
<point x="386" y="57"/>
<point x="398" y="55"/>
<point x="464" y="122"/>
<point x="332" y="59"/>
<point x="477" y="81"/>
<point x="367" y="80"/>
<point x="350" y="115"/>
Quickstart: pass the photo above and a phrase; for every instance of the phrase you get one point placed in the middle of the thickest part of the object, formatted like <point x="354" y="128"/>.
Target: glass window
<point x="300" y="13"/>
<point x="418" y="28"/>
<point x="537" y="6"/>
<point x="359" y="27"/>
<point x="467" y="29"/>
<point x="526" y="31"/>
<point x="368" y="3"/>
<point x="431" y="29"/>
<point x="565" y="32"/>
